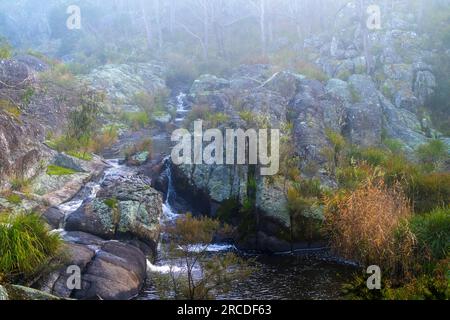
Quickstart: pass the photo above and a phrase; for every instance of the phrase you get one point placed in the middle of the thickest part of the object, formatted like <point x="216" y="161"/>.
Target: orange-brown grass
<point x="368" y="226"/>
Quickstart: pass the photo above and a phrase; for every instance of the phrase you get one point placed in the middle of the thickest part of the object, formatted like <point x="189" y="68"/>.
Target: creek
<point x="304" y="275"/>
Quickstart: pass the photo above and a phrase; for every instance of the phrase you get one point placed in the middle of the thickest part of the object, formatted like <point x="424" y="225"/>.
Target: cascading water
<point x="181" y="108"/>
<point x="90" y="190"/>
<point x="277" y="277"/>
<point x="168" y="211"/>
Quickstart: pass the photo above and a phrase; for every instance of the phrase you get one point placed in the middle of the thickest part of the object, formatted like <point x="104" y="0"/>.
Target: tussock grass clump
<point x="142" y="146"/>
<point x="25" y="245"/>
<point x="429" y="192"/>
<point x="136" y="120"/>
<point x="433" y="233"/>
<point x="369" y="225"/>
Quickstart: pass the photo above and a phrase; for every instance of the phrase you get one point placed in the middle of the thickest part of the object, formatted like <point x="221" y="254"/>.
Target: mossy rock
<point x="20" y="293"/>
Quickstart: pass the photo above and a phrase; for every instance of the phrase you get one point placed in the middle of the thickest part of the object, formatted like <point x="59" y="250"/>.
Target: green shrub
<point x="63" y="144"/>
<point x="433" y="154"/>
<point x="26" y="245"/>
<point x="398" y="169"/>
<point x="138" y="147"/>
<point x="27" y="96"/>
<point x="228" y="211"/>
<point x="86" y="156"/>
<point x="310" y="70"/>
<point x="14" y="199"/>
<point x="433" y="233"/>
<point x="357" y="290"/>
<point x="350" y="177"/>
<point x="58" y="75"/>
<point x="20" y="184"/>
<point x="83" y="120"/>
<point x="394" y="146"/>
<point x="5" y="49"/>
<point x="430" y="191"/>
<point x="53" y="170"/>
<point x="152" y="102"/>
<point x="137" y="120"/>
<point x="10" y="108"/>
<point x="198" y="112"/>
<point x="372" y="156"/>
<point x="425" y="287"/>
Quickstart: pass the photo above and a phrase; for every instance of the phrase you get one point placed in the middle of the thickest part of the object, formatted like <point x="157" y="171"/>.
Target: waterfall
<point x="169" y="213"/>
<point x="181" y="108"/>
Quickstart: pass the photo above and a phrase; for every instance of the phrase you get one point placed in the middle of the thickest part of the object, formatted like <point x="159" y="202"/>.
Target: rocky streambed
<point x="110" y="229"/>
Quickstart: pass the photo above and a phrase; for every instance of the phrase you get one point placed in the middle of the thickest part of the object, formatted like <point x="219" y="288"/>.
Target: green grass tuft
<point x="14" y="199"/>
<point x="86" y="156"/>
<point x="53" y="170"/>
<point x="25" y="244"/>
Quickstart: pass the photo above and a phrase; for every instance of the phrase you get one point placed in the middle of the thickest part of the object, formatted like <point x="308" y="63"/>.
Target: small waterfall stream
<point x="308" y="276"/>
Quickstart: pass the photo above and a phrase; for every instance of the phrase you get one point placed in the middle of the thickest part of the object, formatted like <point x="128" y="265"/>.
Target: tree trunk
<point x="365" y="38"/>
<point x="205" y="30"/>
<point x="262" y="21"/>
<point x="146" y="24"/>
<point x="158" y="23"/>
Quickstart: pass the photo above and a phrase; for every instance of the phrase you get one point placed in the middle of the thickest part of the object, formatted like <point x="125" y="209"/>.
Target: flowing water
<point x="308" y="275"/>
<point x="304" y="276"/>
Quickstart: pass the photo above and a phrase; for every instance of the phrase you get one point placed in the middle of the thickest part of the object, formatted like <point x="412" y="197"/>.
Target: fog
<point x="204" y="29"/>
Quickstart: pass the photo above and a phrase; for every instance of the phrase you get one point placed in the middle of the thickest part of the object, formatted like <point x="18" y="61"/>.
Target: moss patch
<point x="53" y="170"/>
<point x="86" y="156"/>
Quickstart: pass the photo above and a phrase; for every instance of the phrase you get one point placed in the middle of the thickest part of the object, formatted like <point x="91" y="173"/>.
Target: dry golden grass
<point x="368" y="225"/>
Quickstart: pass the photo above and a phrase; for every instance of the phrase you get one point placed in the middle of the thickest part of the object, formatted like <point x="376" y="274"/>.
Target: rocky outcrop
<point x="110" y="270"/>
<point x="117" y="273"/>
<point x="398" y="52"/>
<point x="30" y="109"/>
<point x="3" y="294"/>
<point x="356" y="108"/>
<point x="122" y="209"/>
<point x="20" y="293"/>
<point x="14" y="74"/>
<point x="122" y="82"/>
<point x="57" y="189"/>
<point x="208" y="83"/>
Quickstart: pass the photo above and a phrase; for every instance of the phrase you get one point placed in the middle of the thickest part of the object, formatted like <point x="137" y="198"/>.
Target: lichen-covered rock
<point x="57" y="189"/>
<point x="122" y="208"/>
<point x="20" y="153"/>
<point x="424" y="85"/>
<point x="247" y="77"/>
<point x="139" y="158"/>
<point x="162" y="118"/>
<point x="285" y="83"/>
<point x="32" y="62"/>
<point x="402" y="125"/>
<point x="3" y="294"/>
<point x="363" y="124"/>
<point x="122" y="82"/>
<point x="208" y="83"/>
<point x="20" y="293"/>
<point x="338" y="88"/>
<point x="14" y="73"/>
